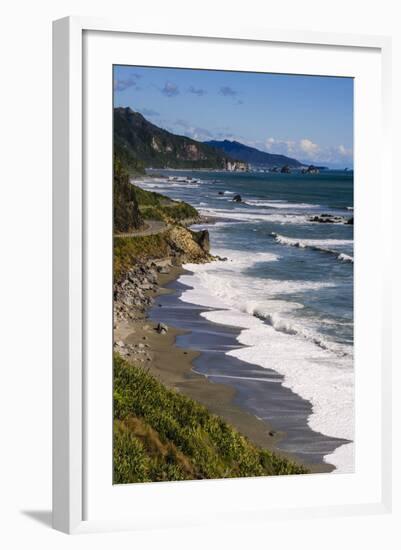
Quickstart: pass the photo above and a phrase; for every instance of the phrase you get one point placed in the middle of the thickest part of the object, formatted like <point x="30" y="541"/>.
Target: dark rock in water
<point x="285" y="170"/>
<point x="237" y="198"/>
<point x="310" y="170"/>
<point x="202" y="238"/>
<point x="162" y="328"/>
<point x="321" y="219"/>
<point x="329" y="218"/>
<point x="221" y="193"/>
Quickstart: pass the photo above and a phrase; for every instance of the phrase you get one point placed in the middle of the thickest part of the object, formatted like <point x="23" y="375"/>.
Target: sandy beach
<point x="173" y="365"/>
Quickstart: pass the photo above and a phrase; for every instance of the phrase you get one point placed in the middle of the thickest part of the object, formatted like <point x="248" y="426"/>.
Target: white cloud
<point x="343" y="151"/>
<point x="308" y="147"/>
<point x="195" y="132"/>
<point x="280" y="146"/>
<point x="307" y="151"/>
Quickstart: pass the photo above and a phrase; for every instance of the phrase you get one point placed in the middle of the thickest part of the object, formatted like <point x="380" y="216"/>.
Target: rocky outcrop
<point x="329" y="218"/>
<point x="133" y="293"/>
<point x="190" y="246"/>
<point x="202" y="238"/>
<point x="236" y="166"/>
<point x="310" y="170"/>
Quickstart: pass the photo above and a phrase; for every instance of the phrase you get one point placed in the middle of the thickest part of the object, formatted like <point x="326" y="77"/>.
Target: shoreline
<point x="174" y="366"/>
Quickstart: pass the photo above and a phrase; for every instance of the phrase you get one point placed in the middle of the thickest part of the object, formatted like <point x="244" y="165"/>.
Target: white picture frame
<point x="70" y="257"/>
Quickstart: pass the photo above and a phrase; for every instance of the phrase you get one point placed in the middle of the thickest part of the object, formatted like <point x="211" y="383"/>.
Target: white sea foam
<point x="281" y="204"/>
<point x="345" y="258"/>
<point x="321" y="245"/>
<point x="164" y="183"/>
<point x="317" y="370"/>
<point x="254" y="215"/>
<point x="165" y="186"/>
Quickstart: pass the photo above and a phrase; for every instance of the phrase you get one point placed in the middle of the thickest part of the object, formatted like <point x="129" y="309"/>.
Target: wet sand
<point x="173" y="365"/>
<point x="191" y="358"/>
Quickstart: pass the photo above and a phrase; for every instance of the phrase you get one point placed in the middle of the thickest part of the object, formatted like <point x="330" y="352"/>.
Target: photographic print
<point x="233" y="274"/>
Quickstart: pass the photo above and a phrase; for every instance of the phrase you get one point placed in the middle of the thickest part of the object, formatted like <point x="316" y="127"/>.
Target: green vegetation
<point x="142" y="144"/>
<point x="129" y="250"/>
<point x="126" y="213"/>
<point x="162" y="435"/>
<point x="150" y="198"/>
<point x="154" y="206"/>
<point x="174" y="212"/>
<point x="133" y="205"/>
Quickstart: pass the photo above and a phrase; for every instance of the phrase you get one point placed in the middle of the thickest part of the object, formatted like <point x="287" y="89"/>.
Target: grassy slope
<point x="128" y="250"/>
<point x="126" y="213"/>
<point x="155" y="206"/>
<point x="161" y="435"/>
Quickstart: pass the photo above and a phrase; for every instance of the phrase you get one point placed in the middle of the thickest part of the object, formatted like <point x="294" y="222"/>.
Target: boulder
<point x="237" y="198"/>
<point x="163" y="269"/>
<point x="202" y="238"/>
<point x="162" y="328"/>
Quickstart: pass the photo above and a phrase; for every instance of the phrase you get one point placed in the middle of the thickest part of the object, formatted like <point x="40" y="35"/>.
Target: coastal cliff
<point x="138" y="261"/>
<point x="142" y="144"/>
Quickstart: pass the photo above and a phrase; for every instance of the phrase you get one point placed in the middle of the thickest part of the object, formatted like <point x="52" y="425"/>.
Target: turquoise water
<point x="288" y="282"/>
<point x="281" y="204"/>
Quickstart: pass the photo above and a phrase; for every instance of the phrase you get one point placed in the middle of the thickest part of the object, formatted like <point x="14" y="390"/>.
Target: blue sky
<point x="306" y="117"/>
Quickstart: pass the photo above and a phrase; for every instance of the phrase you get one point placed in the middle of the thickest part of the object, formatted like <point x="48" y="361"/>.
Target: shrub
<point x="163" y="435"/>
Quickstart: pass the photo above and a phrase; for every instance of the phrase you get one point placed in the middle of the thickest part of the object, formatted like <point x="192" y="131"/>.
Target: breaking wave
<point x="320" y="245"/>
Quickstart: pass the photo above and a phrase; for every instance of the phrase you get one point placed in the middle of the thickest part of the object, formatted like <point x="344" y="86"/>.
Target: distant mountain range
<point x="139" y="144"/>
<point x="253" y="156"/>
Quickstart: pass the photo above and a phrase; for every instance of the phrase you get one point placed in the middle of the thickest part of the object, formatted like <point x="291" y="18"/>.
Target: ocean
<point x="286" y="284"/>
